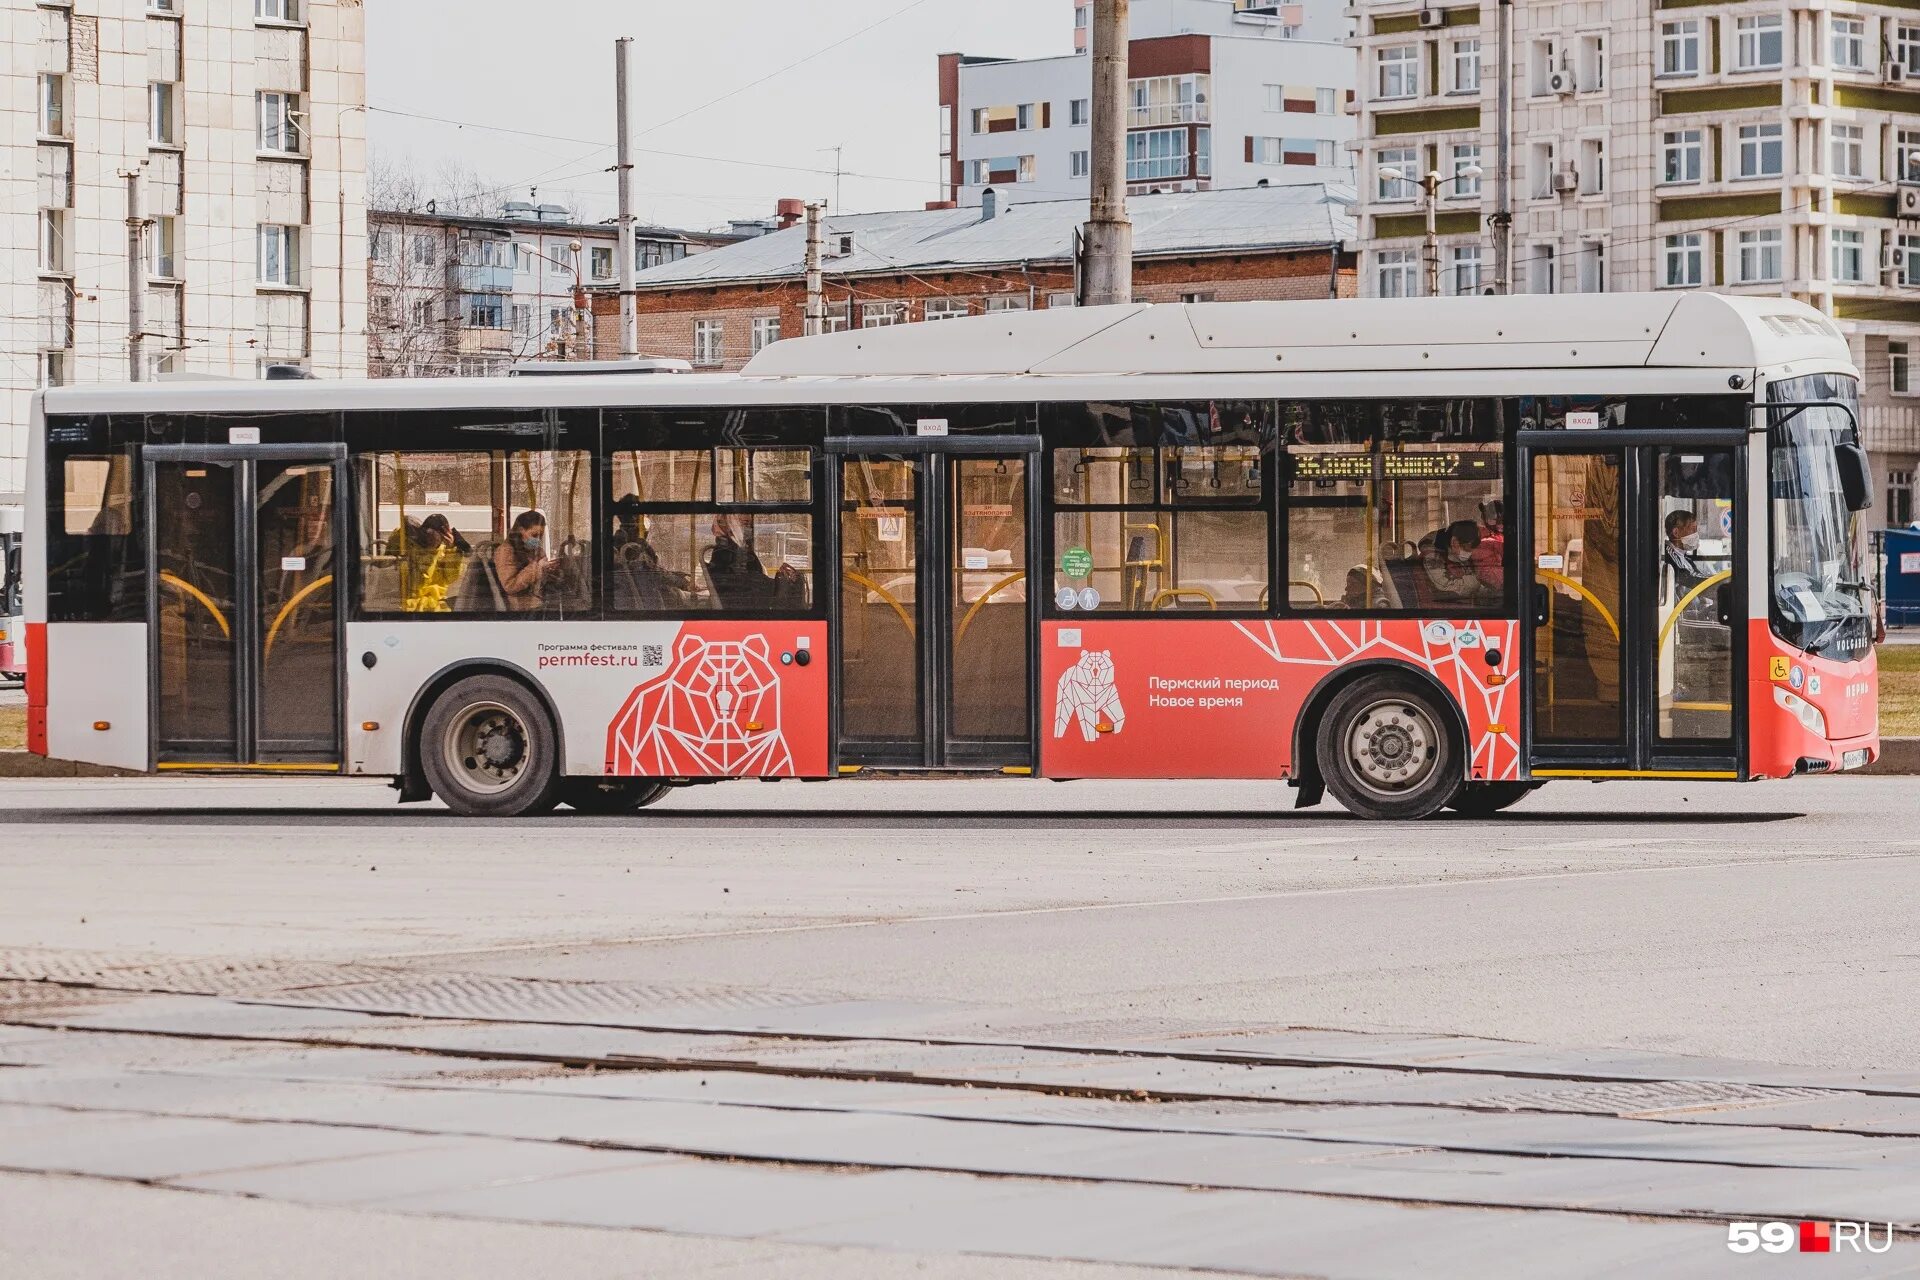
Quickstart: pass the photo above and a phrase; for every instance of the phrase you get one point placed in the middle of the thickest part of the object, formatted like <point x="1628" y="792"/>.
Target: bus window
<point x="711" y="530"/>
<point x="96" y="560"/>
<point x="476" y="533"/>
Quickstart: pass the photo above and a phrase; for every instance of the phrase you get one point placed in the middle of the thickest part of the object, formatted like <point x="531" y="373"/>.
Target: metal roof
<point x="1173" y="223"/>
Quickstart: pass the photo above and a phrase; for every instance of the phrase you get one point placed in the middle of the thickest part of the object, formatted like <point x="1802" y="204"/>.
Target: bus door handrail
<point x="181" y="584"/>
<point x="1680" y="606"/>
<point x="884" y="594"/>
<point x="280" y="618"/>
<point x="1606" y="614"/>
<point x="960" y="633"/>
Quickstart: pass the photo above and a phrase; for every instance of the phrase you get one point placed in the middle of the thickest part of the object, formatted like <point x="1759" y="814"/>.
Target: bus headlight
<point x="1811" y="718"/>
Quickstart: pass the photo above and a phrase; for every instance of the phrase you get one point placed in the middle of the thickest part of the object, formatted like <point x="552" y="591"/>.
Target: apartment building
<point x="1222" y="93"/>
<point x="246" y="120"/>
<point x="720" y="309"/>
<point x="455" y="294"/>
<point x="1744" y="147"/>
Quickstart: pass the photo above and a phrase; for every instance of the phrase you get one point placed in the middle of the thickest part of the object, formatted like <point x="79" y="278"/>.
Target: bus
<point x="13" y="642"/>
<point x="1421" y="554"/>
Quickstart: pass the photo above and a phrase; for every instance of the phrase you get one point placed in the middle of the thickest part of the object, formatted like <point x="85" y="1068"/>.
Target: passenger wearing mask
<point x="1490" y="557"/>
<point x="1683" y="545"/>
<point x="1450" y="574"/>
<point x="522" y="564"/>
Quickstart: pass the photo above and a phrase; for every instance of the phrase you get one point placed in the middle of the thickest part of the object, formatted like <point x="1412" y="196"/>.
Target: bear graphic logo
<point x="716" y="713"/>
<point x="1086" y="693"/>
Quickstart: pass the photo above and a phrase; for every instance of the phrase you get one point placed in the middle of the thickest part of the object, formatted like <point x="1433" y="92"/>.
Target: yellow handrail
<point x="1318" y="596"/>
<point x="1605" y="614"/>
<point x="1680" y="606"/>
<point x="181" y="584"/>
<point x="967" y="621"/>
<point x="1176" y="593"/>
<point x="287" y="608"/>
<point x="884" y="594"/>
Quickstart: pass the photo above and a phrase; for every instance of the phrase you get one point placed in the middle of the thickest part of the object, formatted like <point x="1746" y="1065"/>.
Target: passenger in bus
<point x="522" y="565"/>
<point x="740" y="581"/>
<point x="1357" y="595"/>
<point x="1450" y="576"/>
<point x="1683" y="545"/>
<point x="431" y="553"/>
<point x="1490" y="557"/>
<point x="639" y="581"/>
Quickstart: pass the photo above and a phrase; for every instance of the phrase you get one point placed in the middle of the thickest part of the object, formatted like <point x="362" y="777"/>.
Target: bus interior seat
<point x="479" y="589"/>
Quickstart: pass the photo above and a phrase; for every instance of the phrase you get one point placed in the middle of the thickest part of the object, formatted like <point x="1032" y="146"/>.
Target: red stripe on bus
<point x="37" y="688"/>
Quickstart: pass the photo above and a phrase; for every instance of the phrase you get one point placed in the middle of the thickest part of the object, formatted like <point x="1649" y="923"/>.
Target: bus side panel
<point x="1207" y="698"/>
<point x="696" y="699"/>
<point x="95" y="673"/>
<point x="37" y="688"/>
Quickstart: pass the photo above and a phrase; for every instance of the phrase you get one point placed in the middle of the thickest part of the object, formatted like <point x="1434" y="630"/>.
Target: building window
<point x="1849" y="255"/>
<point x="709" y="341"/>
<point x="1900" y="483"/>
<point x="1686" y="260"/>
<point x="277" y="10"/>
<point x="160" y="247"/>
<point x="766" y="332"/>
<point x="53" y="241"/>
<point x="1080" y="111"/>
<point x="1194" y="298"/>
<point x="1155" y="154"/>
<point x="1165" y="100"/>
<point x="1759" y="151"/>
<point x="1680" y="48"/>
<point x="1907" y="252"/>
<point x="486" y="311"/>
<point x="1466" y="156"/>
<point x="279" y="254"/>
<point x="1847" y="147"/>
<point x="1906" y="46"/>
<point x="1276" y="97"/>
<point x="53" y="106"/>
<point x="1593" y="63"/>
<point x="838" y="318"/>
<point x="1541" y="270"/>
<point x="162" y="121"/>
<point x="1023" y="116"/>
<point x="979" y="119"/>
<point x="1899" y="381"/>
<point x="1682" y="155"/>
<point x="947" y="308"/>
<point x="1849" y="43"/>
<point x="603" y="262"/>
<point x="1592" y="267"/>
<point x="1463" y="270"/>
<point x="1326" y="153"/>
<point x="1540" y="168"/>
<point x="1593" y="166"/>
<point x="278" y="128"/>
<point x="380" y="245"/>
<point x="425" y="254"/>
<point x="1758" y="261"/>
<point x="1397" y="274"/>
<point x="1906" y="155"/>
<point x="1405" y="161"/>
<point x="1757" y="43"/>
<point x="1326" y="102"/>
<point x="1203" y="153"/>
<point x="523" y="319"/>
<point x="882" y="315"/>
<point x="1466" y="67"/>
<point x="1079" y="164"/>
<point x="1398" y="72"/>
<point x="1007" y="302"/>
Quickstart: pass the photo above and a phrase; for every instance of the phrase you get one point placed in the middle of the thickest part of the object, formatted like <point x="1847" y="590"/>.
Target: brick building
<point x="720" y="308"/>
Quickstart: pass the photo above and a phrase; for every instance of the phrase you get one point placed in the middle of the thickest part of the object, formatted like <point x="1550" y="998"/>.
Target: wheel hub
<point x="487" y="747"/>
<point x="1392" y="746"/>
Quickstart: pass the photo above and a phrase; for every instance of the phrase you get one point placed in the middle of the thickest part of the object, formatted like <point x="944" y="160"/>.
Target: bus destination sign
<point x="1396" y="466"/>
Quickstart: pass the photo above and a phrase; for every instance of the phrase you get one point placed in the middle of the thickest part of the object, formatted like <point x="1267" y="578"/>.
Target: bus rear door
<point x="245" y="622"/>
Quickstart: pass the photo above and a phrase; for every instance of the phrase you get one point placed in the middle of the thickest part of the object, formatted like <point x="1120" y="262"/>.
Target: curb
<point x="1897" y="755"/>
<point x="25" y="764"/>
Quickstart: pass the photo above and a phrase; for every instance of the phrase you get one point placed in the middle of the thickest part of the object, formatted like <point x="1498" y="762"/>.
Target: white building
<point x="1738" y="146"/>
<point x="246" y="119"/>
<point x="1223" y="93"/>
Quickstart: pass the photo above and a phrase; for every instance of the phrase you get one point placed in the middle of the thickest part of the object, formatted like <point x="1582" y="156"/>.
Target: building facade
<point x="246" y="121"/>
<point x="452" y="294"/>
<point x="719" y="310"/>
<point x="1745" y="147"/>
<point x="1222" y="94"/>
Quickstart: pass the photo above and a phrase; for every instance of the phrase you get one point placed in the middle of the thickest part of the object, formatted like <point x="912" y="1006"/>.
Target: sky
<point x="866" y="81"/>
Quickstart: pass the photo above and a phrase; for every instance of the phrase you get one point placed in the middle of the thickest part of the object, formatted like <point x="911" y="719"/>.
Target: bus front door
<point x="1633" y="640"/>
<point x="245" y="624"/>
<point x="933" y="621"/>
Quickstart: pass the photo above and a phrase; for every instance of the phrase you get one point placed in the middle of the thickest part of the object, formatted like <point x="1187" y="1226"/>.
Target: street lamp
<point x="1430" y="197"/>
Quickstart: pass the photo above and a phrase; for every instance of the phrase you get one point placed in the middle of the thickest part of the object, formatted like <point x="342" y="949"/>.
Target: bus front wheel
<point x="489" y="749"/>
<point x="610" y="795"/>
<point x="1387" y="749"/>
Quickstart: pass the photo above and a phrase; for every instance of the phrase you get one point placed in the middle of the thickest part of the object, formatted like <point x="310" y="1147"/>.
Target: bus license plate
<point x="1854" y="759"/>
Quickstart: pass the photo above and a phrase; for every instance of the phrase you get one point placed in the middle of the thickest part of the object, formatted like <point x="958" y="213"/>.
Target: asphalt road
<point x="966" y="1028"/>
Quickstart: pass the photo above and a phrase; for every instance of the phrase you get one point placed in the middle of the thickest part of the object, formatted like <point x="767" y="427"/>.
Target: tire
<point x="1387" y="749"/>
<point x="1484" y="799"/>
<point x="610" y="795"/>
<point x="489" y="749"/>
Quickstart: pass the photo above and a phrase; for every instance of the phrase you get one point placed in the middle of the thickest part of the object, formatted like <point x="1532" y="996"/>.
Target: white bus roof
<point x="1591" y="343"/>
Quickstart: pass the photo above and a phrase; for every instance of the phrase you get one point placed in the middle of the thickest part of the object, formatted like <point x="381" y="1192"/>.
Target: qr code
<point x="653" y="655"/>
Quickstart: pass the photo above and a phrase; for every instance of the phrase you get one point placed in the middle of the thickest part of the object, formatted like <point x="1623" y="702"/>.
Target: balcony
<point x="483" y="278"/>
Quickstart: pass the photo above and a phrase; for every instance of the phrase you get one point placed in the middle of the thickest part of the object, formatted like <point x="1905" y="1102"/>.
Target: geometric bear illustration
<point x="716" y="713"/>
<point x="1086" y="692"/>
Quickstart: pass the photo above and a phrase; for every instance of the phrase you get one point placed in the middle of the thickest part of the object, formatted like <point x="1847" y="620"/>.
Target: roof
<point x="1248" y="219"/>
<point x="536" y="226"/>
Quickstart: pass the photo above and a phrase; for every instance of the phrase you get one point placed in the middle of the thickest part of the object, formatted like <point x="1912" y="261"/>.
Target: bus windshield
<point x="1821" y="600"/>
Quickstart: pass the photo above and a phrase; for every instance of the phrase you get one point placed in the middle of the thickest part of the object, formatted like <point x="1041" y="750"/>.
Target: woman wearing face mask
<point x="1450" y="573"/>
<point x="522" y="564"/>
<point x="1683" y="543"/>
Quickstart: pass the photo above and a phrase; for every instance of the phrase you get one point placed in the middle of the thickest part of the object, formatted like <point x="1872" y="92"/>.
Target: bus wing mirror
<point x="1856" y="481"/>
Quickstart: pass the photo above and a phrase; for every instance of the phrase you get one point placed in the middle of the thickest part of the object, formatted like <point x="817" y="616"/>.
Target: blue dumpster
<point x="1903" y="577"/>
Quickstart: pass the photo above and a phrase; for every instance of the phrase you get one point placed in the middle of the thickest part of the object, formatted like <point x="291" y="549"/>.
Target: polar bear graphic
<point x="1086" y="693"/>
<point x="715" y="714"/>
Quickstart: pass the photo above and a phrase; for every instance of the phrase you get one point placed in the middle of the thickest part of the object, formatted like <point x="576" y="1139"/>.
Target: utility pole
<point x="623" y="164"/>
<point x="816" y="286"/>
<point x="1108" y="277"/>
<point x="1503" y="186"/>
<point x="136" y="280"/>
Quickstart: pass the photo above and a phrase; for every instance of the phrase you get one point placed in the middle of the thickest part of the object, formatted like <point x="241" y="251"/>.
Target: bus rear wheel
<point x="610" y="795"/>
<point x="489" y="749"/>
<point x="1484" y="799"/>
<point x="1387" y="750"/>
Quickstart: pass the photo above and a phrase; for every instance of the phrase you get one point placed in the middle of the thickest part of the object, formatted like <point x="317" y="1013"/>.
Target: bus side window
<point x="96" y="562"/>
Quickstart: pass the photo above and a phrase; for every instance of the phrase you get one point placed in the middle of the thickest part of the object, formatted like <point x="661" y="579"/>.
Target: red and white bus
<point x="1419" y="553"/>
<point x="13" y="596"/>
